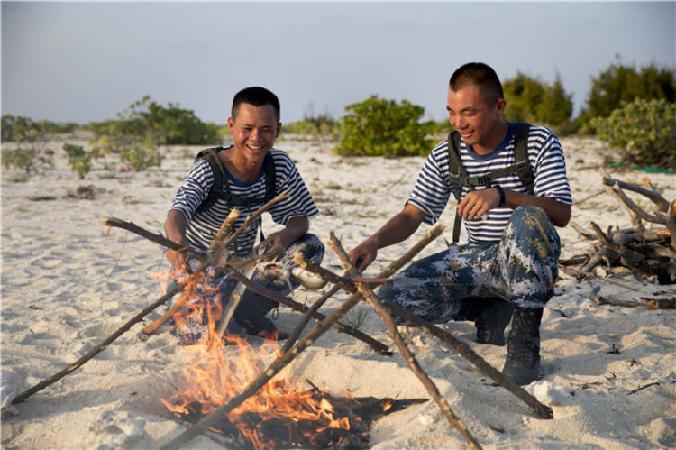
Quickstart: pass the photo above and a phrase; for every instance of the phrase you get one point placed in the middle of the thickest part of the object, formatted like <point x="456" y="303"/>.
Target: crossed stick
<point x="359" y="288"/>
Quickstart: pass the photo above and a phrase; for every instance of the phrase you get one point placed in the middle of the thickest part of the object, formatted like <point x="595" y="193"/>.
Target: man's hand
<point x="273" y="246"/>
<point x="363" y="255"/>
<point x="477" y="203"/>
<point x="178" y="260"/>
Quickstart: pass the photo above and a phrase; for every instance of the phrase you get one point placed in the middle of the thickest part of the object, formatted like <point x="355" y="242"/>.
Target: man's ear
<point x="231" y="122"/>
<point x="501" y="105"/>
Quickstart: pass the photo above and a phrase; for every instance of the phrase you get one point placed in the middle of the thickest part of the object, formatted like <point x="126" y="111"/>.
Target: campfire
<point x="278" y="415"/>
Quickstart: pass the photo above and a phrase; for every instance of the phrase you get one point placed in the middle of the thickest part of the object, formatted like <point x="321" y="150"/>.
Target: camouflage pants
<point x="218" y="288"/>
<point x="521" y="268"/>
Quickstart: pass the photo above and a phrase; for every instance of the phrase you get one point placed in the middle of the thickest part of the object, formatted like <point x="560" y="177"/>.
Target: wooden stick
<point x="250" y="220"/>
<point x="284" y="359"/>
<point x="453" y="420"/>
<point x="152" y="237"/>
<point x="98" y="348"/>
<point x="284" y="300"/>
<point x="658" y="218"/>
<point x="653" y="195"/>
<point x="262" y="379"/>
<point x="215" y="254"/>
<point x="306" y="317"/>
<point x="589" y="236"/>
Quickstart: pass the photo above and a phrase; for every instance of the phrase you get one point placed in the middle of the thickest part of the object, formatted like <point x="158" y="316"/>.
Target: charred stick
<point x="214" y="254"/>
<point x="453" y="420"/>
<point x="287" y="357"/>
<point x="660" y="303"/>
<point x="581" y="231"/>
<point x="262" y="379"/>
<point x="98" y="348"/>
<point x="152" y="327"/>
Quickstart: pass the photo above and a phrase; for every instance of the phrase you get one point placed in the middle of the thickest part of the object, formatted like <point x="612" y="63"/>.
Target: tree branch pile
<point x="648" y="253"/>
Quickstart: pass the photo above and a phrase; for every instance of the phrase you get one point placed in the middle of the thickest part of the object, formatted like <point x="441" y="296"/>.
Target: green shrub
<point x="620" y="84"/>
<point x="378" y="126"/>
<point x="140" y="156"/>
<point x="30" y="153"/>
<point x="645" y="130"/>
<point x="534" y="101"/>
<point x="79" y="160"/>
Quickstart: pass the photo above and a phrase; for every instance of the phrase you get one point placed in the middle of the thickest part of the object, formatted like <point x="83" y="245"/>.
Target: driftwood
<point x="285" y="358"/>
<point x="98" y="348"/>
<point x="645" y="253"/>
<point x="648" y="302"/>
<point x="431" y="388"/>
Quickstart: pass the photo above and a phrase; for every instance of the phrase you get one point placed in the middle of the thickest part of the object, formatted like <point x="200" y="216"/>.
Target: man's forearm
<point x="398" y="228"/>
<point x="557" y="211"/>
<point x="175" y="226"/>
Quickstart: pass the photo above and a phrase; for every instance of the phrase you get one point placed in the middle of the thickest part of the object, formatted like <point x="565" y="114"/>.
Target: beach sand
<point x="68" y="283"/>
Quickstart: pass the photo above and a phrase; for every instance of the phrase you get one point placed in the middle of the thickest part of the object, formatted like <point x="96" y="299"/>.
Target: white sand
<point x="66" y="285"/>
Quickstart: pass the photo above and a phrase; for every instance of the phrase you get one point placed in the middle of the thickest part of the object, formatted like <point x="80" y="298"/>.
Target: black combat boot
<point x="490" y="316"/>
<point x="523" y="346"/>
<point x="251" y="314"/>
<point x="492" y="321"/>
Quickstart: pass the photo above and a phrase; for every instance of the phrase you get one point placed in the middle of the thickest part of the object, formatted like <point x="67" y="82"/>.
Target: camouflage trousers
<point x="217" y="288"/>
<point x="521" y="268"/>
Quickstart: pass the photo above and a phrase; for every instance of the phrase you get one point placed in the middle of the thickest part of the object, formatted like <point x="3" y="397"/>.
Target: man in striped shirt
<point x="254" y="125"/>
<point x="509" y="266"/>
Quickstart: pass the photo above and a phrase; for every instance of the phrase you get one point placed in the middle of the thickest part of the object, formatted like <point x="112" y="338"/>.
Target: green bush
<point x="140" y="156"/>
<point x="79" y="160"/>
<point x="620" y="84"/>
<point x="378" y="126"/>
<point x="30" y="154"/>
<point x="534" y="101"/>
<point x="645" y="130"/>
<point x="146" y="123"/>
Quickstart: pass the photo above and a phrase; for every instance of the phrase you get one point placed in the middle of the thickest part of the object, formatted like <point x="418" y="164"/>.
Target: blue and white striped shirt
<point x="432" y="190"/>
<point x="203" y="226"/>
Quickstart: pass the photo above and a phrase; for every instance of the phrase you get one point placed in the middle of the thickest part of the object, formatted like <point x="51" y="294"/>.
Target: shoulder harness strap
<point x="221" y="189"/>
<point x="457" y="176"/>
<point x="522" y="169"/>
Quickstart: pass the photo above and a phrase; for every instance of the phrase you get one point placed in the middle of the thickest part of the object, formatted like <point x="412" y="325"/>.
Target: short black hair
<point x="481" y="75"/>
<point x="256" y="96"/>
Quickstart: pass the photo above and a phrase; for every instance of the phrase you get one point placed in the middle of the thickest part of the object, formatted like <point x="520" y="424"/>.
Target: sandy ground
<point x="67" y="284"/>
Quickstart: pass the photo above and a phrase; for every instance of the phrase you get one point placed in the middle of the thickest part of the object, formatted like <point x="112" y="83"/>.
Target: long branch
<point x="453" y="420"/>
<point x="284" y="300"/>
<point x="653" y="195"/>
<point x="287" y="357"/>
<point x="98" y="348"/>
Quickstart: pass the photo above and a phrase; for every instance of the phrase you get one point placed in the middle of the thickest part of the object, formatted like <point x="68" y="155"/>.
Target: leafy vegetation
<point x="317" y="125"/>
<point x="534" y="101"/>
<point x="30" y="153"/>
<point x="79" y="160"/>
<point x="645" y="130"/>
<point x="378" y="126"/>
<point x="620" y="84"/>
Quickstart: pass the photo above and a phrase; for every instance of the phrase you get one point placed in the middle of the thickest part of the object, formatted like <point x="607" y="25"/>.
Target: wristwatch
<point x="501" y="195"/>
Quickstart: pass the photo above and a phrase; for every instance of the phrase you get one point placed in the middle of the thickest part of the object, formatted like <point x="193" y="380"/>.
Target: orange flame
<point x="214" y="378"/>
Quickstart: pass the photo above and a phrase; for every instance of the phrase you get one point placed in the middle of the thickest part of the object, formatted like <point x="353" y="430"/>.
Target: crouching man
<point x="245" y="175"/>
<point x="511" y="185"/>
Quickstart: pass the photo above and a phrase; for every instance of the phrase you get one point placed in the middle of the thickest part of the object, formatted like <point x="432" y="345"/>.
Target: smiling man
<point x="511" y="186"/>
<point x="245" y="175"/>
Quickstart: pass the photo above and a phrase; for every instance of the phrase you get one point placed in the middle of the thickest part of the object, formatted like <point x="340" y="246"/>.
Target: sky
<point x="88" y="61"/>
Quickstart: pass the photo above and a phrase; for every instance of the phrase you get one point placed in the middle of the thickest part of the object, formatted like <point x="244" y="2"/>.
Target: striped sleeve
<point x="550" y="172"/>
<point x="194" y="190"/>
<point x="431" y="190"/>
<point x="299" y="202"/>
